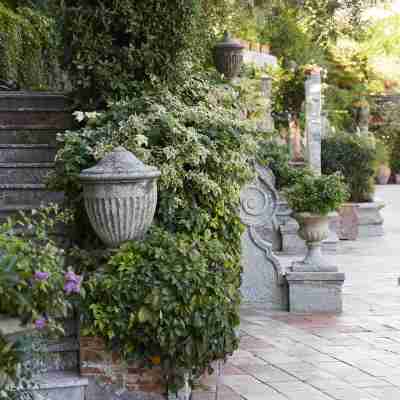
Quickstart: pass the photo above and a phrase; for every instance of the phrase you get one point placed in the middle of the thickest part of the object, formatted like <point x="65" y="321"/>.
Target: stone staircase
<point x="29" y="123"/>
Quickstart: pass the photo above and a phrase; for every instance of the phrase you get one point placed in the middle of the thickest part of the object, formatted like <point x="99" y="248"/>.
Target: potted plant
<point x="355" y="158"/>
<point x="383" y="171"/>
<point x="395" y="158"/>
<point x="312" y="199"/>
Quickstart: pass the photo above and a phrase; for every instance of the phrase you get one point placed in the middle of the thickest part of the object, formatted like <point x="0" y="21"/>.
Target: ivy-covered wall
<point x="26" y="52"/>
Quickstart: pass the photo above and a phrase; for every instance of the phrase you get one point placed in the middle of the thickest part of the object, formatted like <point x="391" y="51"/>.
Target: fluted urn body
<point x="314" y="228"/>
<point x="228" y="57"/>
<point x="120" y="195"/>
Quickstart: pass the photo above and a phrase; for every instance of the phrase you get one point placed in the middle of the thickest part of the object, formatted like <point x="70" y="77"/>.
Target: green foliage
<point x="32" y="279"/>
<point x="381" y="153"/>
<point x="20" y="360"/>
<point x="348" y="85"/>
<point x="27" y="248"/>
<point x="26" y="54"/>
<point x="15" y="378"/>
<point x="290" y="38"/>
<point x="317" y="194"/>
<point x="354" y="157"/>
<point x="173" y="296"/>
<point x="277" y="158"/>
<point x="113" y="45"/>
<point x="387" y="127"/>
<point x="395" y="155"/>
<point x="204" y="151"/>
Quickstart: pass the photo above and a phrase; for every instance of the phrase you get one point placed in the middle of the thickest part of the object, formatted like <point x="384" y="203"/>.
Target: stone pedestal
<point x="315" y="292"/>
<point x="315" y="284"/>
<point x="370" y="220"/>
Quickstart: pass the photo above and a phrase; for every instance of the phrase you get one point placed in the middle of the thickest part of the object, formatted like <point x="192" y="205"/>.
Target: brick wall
<point x="106" y="367"/>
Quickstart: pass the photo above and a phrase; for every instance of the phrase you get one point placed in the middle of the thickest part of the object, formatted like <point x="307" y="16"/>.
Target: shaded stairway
<point x="29" y="123"/>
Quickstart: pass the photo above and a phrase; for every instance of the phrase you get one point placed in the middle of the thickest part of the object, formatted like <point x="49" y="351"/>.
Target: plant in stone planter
<point x="354" y="157"/>
<point x="312" y="198"/>
<point x="383" y="170"/>
<point x="174" y="297"/>
<point x="395" y="158"/>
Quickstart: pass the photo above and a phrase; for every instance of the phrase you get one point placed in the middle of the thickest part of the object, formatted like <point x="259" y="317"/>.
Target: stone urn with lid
<point x="228" y="56"/>
<point x="120" y="195"/>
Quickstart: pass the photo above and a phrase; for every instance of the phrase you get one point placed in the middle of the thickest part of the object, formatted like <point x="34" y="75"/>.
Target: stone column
<point x="266" y="88"/>
<point x="314" y="120"/>
<point x="363" y="120"/>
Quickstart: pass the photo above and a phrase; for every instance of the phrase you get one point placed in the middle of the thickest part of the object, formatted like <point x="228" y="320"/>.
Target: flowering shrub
<point x="176" y="294"/>
<point x="37" y="264"/>
<point x="34" y="286"/>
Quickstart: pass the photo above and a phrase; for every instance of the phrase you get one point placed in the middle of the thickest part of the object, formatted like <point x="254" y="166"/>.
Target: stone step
<point x="8" y="211"/>
<point x="13" y="120"/>
<point x="27" y="194"/>
<point x="60" y="386"/>
<point x="27" y="153"/>
<point x="33" y="101"/>
<point x="62" y="355"/>
<point x="28" y="136"/>
<point x="11" y="173"/>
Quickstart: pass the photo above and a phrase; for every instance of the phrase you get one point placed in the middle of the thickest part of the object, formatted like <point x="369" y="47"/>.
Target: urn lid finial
<point x="119" y="165"/>
<point x="229" y="43"/>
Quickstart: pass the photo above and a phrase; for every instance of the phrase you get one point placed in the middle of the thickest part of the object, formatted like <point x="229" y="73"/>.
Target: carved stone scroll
<point x="263" y="278"/>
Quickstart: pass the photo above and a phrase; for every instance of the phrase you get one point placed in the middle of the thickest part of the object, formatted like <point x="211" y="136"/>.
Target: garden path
<point x="352" y="356"/>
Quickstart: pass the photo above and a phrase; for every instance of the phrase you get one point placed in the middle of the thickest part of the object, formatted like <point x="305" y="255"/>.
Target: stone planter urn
<point x="228" y="57"/>
<point x="120" y="195"/>
<point x="314" y="228"/>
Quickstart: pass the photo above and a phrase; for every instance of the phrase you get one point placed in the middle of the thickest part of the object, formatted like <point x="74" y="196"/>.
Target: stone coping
<point x="373" y="204"/>
<point x="315" y="276"/>
<point x="12" y="326"/>
<point x="59" y="380"/>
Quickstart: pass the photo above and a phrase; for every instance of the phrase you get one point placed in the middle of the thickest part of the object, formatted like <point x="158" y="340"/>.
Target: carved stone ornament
<point x="120" y="195"/>
<point x="263" y="277"/>
<point x="8" y="85"/>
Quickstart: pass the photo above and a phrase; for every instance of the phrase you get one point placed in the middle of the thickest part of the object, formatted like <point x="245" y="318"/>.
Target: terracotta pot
<point x="348" y="222"/>
<point x="384" y="173"/>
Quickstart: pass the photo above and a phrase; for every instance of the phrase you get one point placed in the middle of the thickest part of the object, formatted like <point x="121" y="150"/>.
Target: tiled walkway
<point x="353" y="356"/>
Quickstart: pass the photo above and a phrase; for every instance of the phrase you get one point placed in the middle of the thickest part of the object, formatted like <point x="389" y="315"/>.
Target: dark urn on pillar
<point x="228" y="56"/>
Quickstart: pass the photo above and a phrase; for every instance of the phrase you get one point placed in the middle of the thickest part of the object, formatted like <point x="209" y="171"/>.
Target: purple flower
<point x="72" y="283"/>
<point x="41" y="276"/>
<point x="40" y="323"/>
